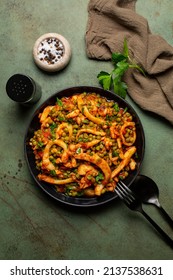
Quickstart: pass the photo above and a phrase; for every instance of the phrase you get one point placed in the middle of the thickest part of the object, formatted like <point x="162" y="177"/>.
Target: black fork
<point x="135" y="204"/>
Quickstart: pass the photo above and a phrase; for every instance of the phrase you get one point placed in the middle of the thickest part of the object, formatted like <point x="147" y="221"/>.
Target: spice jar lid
<point x="51" y="52"/>
<point x="20" y="88"/>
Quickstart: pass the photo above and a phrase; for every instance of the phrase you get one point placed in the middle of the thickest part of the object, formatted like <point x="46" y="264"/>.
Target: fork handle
<point x="168" y="218"/>
<point x="159" y="229"/>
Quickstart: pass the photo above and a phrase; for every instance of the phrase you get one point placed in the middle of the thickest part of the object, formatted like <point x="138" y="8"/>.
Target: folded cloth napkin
<point x="109" y="23"/>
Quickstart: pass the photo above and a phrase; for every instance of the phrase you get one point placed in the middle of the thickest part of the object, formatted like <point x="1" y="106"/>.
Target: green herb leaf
<point x="117" y="57"/>
<point x="125" y="50"/>
<point x="105" y="79"/>
<point x="59" y="102"/>
<point x="85" y="121"/>
<point x="115" y="154"/>
<point x="122" y="66"/>
<point x="53" y="172"/>
<point x="53" y="126"/>
<point x="116" y="107"/>
<point x="53" y="160"/>
<point x="121" y="62"/>
<point x="40" y="144"/>
<point x="120" y="88"/>
<point x="78" y="151"/>
<point x="61" y="119"/>
<point x="125" y="110"/>
<point x="99" y="177"/>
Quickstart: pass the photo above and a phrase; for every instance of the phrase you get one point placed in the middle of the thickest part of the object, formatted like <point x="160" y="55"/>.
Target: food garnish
<point x="121" y="62"/>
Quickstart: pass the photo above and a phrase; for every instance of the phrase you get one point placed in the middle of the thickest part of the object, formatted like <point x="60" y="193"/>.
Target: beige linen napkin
<point x="109" y="22"/>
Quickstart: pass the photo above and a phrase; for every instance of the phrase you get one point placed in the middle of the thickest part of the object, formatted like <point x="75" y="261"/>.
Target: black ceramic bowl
<point x="49" y="189"/>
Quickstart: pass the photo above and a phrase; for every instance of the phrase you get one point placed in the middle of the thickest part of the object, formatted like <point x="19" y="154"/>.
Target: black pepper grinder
<point x="23" y="89"/>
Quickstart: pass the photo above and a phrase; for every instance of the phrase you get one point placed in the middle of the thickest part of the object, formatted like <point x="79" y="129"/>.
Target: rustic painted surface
<point x="32" y="226"/>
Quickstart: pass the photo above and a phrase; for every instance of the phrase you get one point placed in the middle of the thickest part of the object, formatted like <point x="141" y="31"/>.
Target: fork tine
<point x="126" y="191"/>
<point x="123" y="195"/>
<point x="119" y="194"/>
<point x="120" y="183"/>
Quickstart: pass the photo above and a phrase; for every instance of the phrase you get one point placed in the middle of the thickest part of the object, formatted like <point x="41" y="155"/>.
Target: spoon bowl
<point x="147" y="191"/>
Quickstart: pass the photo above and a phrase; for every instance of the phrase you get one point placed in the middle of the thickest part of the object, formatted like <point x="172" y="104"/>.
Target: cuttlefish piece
<point x="43" y="116"/>
<point x="84" y="168"/>
<point x="73" y="148"/>
<point x="101" y="163"/>
<point x="46" y="163"/>
<point x="133" y="137"/>
<point x="51" y="180"/>
<point x="114" y="130"/>
<point x="87" y="114"/>
<point x="60" y="130"/>
<point x="90" y="131"/>
<point x="73" y="114"/>
<point x="89" y="144"/>
<point x="126" y="159"/>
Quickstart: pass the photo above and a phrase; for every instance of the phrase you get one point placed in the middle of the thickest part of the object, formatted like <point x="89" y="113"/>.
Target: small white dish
<point x="51" y="52"/>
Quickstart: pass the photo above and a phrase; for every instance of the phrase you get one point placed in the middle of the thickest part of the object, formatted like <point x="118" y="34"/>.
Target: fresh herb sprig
<point x="121" y="62"/>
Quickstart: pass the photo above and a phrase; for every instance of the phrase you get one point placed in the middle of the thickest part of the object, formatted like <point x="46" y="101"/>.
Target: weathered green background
<point x="32" y="226"/>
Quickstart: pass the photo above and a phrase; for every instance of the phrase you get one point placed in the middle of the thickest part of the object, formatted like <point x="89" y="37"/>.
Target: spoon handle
<point x="165" y="214"/>
<point x="158" y="228"/>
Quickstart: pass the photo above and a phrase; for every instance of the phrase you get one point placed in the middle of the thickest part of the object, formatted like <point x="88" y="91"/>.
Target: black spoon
<point x="146" y="189"/>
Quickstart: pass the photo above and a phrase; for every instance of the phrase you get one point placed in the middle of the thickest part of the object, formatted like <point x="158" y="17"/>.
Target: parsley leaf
<point x="53" y="126"/>
<point x="126" y="50"/>
<point x="59" y="102"/>
<point x="78" y="151"/>
<point x="105" y="79"/>
<point x="121" y="62"/>
<point x="53" y="172"/>
<point x="99" y="177"/>
<point x="40" y="144"/>
<point x="120" y="69"/>
<point x="115" y="154"/>
<point x="61" y="119"/>
<point x="120" y="88"/>
<point x="117" y="57"/>
<point x="116" y="107"/>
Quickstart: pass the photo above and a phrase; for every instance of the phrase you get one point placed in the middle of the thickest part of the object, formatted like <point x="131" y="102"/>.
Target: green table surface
<point x="32" y="225"/>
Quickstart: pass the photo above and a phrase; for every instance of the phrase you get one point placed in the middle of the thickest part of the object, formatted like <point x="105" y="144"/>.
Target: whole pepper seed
<point x="53" y="50"/>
